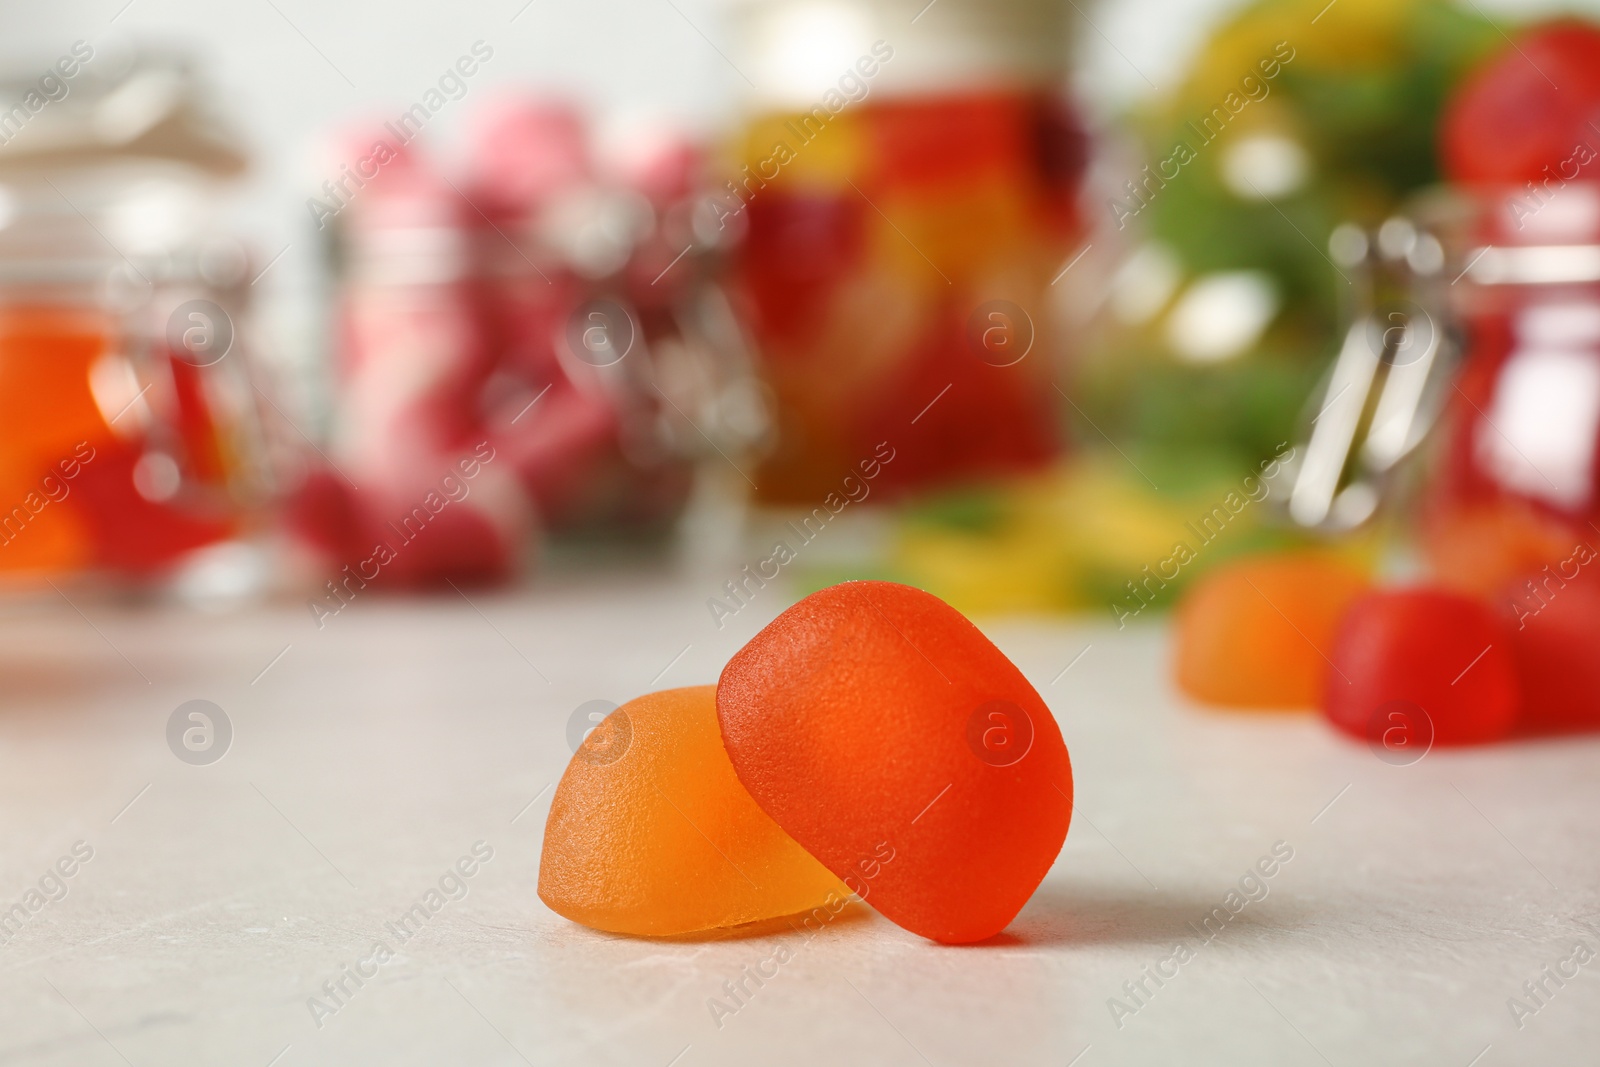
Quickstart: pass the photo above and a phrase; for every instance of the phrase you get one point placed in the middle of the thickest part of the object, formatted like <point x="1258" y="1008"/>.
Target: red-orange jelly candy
<point x="887" y="736"/>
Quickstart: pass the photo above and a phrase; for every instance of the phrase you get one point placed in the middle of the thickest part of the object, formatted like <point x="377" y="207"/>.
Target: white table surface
<point x="375" y="752"/>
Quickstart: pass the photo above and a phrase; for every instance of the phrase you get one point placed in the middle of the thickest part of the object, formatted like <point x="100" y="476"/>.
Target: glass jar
<point x="553" y="315"/>
<point x="128" y="429"/>
<point x="907" y="185"/>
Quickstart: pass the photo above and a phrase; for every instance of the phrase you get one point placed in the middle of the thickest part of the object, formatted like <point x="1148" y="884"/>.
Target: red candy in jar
<point x="412" y="490"/>
<point x="906" y="218"/>
<point x="1518" y="477"/>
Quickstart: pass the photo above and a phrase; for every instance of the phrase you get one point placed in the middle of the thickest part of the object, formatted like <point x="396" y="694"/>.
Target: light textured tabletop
<point x="370" y="756"/>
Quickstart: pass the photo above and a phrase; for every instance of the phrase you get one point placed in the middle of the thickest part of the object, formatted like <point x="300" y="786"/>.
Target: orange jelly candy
<point x="650" y="832"/>
<point x="878" y="726"/>
<point x="1253" y="633"/>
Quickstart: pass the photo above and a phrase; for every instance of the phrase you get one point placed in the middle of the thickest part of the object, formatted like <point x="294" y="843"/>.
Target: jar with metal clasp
<point x="1476" y="334"/>
<point x="129" y="428"/>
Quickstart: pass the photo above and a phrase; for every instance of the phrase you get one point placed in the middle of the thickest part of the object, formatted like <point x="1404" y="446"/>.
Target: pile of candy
<point x="1505" y="639"/>
<point x="538" y="341"/>
<point x="869" y="741"/>
<point x="907" y="254"/>
<point x="1279" y="632"/>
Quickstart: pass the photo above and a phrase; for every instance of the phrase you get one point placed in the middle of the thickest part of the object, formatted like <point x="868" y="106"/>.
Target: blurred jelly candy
<point x="474" y="527"/>
<point x="1253" y="632"/>
<point x="886" y="734"/>
<point x="1527" y="109"/>
<point x="650" y="833"/>
<point x="1555" y="637"/>
<point x="1478" y="541"/>
<point x="1425" y="659"/>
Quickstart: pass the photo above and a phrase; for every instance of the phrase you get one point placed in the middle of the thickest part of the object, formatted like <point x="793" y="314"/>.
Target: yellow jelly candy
<point x="651" y="833"/>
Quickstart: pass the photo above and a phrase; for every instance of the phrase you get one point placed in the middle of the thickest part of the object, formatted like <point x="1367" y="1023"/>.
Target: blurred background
<point x="396" y="388"/>
<point x="303" y="300"/>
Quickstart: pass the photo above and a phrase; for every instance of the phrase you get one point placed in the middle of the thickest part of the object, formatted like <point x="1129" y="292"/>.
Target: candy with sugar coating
<point x="893" y="741"/>
<point x="650" y="832"/>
